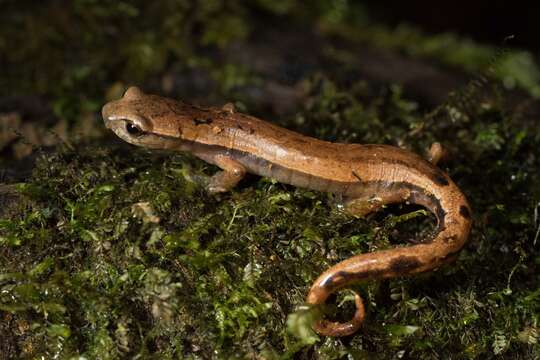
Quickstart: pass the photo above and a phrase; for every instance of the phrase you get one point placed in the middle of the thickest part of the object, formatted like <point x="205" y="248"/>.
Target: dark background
<point x="484" y="21"/>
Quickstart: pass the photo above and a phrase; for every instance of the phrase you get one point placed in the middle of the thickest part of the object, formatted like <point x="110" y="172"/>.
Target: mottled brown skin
<point x="366" y="176"/>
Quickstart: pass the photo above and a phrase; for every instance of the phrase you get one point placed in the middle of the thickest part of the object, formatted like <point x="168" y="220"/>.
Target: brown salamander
<point x="366" y="176"/>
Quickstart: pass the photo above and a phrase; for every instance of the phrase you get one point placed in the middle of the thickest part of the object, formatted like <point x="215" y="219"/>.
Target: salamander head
<point x="151" y="121"/>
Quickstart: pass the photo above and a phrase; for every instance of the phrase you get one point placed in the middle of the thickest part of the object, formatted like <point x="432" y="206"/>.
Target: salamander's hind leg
<point x="361" y="206"/>
<point x="437" y="153"/>
<point x="225" y="180"/>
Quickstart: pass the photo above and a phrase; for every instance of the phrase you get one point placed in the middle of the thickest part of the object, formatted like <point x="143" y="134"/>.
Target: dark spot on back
<point x="439" y="178"/>
<point x="464" y="211"/>
<point x="199" y="121"/>
<point x="404" y="264"/>
<point x="370" y="274"/>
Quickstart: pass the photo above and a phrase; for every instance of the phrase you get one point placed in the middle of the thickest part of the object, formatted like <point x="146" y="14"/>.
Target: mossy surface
<point x="109" y="251"/>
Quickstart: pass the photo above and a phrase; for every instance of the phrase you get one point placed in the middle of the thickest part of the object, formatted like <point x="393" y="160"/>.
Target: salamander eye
<point x="133" y="129"/>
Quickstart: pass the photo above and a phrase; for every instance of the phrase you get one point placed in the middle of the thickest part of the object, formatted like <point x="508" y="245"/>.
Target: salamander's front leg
<point x="225" y="180"/>
<point x="232" y="172"/>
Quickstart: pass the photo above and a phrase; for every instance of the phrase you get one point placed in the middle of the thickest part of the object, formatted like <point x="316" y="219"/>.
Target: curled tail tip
<point x="335" y="329"/>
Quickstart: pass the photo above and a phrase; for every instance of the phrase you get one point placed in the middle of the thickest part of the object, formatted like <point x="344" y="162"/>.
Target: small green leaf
<point x="299" y="324"/>
<point x="59" y="330"/>
<point x="42" y="267"/>
<point x="280" y="198"/>
<point x="401" y="330"/>
<point x="105" y="189"/>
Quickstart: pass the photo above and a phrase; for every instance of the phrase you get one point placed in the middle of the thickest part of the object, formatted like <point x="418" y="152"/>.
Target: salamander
<point x="366" y="177"/>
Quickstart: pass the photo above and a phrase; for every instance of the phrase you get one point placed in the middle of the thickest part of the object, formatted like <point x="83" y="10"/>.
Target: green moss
<point x="224" y="273"/>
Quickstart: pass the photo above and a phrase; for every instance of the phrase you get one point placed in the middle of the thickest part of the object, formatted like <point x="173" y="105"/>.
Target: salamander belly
<point x="260" y="166"/>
